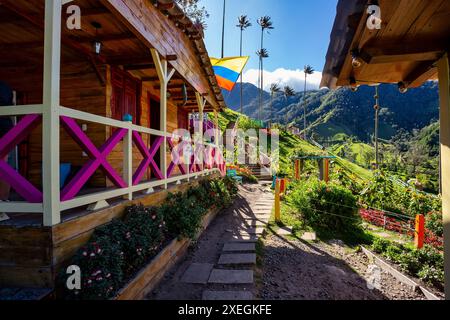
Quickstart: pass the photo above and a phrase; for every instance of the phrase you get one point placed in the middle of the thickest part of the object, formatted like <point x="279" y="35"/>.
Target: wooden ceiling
<point x="413" y="36"/>
<point x="21" y="43"/>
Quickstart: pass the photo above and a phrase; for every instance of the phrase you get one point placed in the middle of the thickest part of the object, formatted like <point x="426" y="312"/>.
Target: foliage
<point x="117" y="250"/>
<point x="434" y="223"/>
<point x="328" y="207"/>
<point x="198" y="14"/>
<point x="427" y="264"/>
<point x="382" y="193"/>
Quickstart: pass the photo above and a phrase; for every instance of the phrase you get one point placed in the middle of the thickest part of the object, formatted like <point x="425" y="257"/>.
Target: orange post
<point x="277" y="201"/>
<point x="327" y="170"/>
<point x="420" y="231"/>
<point x="283" y="185"/>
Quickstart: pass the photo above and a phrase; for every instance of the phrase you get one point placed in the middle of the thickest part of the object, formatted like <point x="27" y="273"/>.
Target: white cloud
<point x="293" y="78"/>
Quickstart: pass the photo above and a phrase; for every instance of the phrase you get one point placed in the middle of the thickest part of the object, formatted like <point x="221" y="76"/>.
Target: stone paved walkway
<point x="220" y="267"/>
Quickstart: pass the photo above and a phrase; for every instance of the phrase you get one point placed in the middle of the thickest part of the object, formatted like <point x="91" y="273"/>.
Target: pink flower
<point x="85" y="254"/>
<point x="92" y="254"/>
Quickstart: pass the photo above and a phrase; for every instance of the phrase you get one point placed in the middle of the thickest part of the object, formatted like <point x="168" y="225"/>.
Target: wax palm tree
<point x="262" y="54"/>
<point x="274" y="89"/>
<point x="243" y="23"/>
<point x="308" y="70"/>
<point x="266" y="24"/>
<point x="288" y="92"/>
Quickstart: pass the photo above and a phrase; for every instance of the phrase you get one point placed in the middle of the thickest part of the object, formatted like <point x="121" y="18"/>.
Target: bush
<point x="117" y="250"/>
<point x="326" y="206"/>
<point x="379" y="245"/>
<point x="426" y="264"/>
<point x="434" y="223"/>
<point x="183" y="215"/>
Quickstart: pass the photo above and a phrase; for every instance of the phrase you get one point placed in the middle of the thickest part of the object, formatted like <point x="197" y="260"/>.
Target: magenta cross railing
<point x="201" y="159"/>
<point x="7" y="143"/>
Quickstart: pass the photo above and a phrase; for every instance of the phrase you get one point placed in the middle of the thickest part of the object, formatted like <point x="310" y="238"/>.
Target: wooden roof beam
<point x="133" y="67"/>
<point x="165" y="5"/>
<point x="420" y="74"/>
<point x="402" y="53"/>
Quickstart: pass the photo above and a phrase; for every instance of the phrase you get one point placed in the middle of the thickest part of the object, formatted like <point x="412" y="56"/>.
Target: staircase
<point x="260" y="172"/>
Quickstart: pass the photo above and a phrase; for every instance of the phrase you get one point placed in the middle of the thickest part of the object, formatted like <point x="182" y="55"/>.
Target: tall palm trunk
<point x="223" y="28"/>
<point x="242" y="92"/>
<point x="261" y="76"/>
<point x="304" y="107"/>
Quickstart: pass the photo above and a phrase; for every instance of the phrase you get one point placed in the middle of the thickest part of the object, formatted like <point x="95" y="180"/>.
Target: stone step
<point x="254" y="230"/>
<point x="197" y="273"/>
<point x="227" y="296"/>
<point x="245" y="238"/>
<point x="239" y="247"/>
<point x="237" y="259"/>
<point x="219" y="276"/>
<point x="254" y="223"/>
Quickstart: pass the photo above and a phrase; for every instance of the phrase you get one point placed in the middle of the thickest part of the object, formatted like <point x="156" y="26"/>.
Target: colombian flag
<point x="228" y="70"/>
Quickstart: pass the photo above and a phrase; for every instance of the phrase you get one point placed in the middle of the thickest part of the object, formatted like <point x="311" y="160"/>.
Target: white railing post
<point x="444" y="95"/>
<point x="201" y="102"/>
<point x="51" y="103"/>
<point x="128" y="161"/>
<point x="164" y="76"/>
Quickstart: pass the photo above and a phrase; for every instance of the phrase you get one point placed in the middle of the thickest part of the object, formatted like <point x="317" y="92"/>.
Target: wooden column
<point x="50" y="115"/>
<point x="444" y="95"/>
<point x="164" y="75"/>
<point x="326" y="164"/>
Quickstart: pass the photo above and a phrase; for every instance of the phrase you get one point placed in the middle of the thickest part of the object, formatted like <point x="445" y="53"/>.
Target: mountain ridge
<point x="332" y="112"/>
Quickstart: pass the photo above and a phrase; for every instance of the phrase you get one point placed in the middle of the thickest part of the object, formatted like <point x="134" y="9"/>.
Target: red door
<point x="125" y="96"/>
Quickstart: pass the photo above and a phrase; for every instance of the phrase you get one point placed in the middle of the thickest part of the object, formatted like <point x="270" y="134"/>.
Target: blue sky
<point x="301" y="35"/>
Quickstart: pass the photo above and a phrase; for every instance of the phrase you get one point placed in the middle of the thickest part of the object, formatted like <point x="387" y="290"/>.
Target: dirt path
<point x="208" y="250"/>
<point x="298" y="270"/>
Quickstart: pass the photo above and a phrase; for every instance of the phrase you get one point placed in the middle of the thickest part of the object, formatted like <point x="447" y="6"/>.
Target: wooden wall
<point x="81" y="90"/>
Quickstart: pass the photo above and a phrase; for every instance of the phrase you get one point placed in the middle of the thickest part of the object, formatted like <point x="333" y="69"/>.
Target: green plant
<point x="183" y="215"/>
<point x="434" y="223"/>
<point x="426" y="264"/>
<point x="326" y="206"/>
<point x="379" y="245"/>
<point x="101" y="263"/>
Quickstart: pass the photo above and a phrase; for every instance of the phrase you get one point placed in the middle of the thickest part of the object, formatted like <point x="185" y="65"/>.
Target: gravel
<point x="298" y="270"/>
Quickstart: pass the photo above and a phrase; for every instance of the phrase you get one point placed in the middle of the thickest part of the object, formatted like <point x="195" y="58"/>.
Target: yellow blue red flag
<point x="228" y="70"/>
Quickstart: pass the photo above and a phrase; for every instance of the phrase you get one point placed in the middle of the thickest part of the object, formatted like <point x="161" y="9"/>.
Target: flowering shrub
<point x="406" y="226"/>
<point x="118" y="250"/>
<point x="383" y="219"/>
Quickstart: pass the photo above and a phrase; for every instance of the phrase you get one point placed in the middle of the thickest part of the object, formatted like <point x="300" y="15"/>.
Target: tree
<point x="192" y="9"/>
<point x="274" y="88"/>
<point x="266" y="24"/>
<point x="262" y="54"/>
<point x="243" y="23"/>
<point x="308" y="70"/>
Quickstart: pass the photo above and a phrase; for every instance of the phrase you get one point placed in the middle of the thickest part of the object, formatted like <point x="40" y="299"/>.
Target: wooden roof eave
<point x="346" y="25"/>
<point x="405" y="50"/>
<point x="176" y="14"/>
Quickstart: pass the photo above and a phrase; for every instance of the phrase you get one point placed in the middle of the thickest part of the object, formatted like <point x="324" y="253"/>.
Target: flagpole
<point x="223" y="29"/>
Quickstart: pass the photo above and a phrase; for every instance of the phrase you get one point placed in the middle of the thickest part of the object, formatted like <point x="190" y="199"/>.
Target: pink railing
<point x="203" y="160"/>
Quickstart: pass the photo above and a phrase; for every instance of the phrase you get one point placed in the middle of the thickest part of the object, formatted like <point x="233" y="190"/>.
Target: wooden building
<point x="407" y="46"/>
<point x="95" y="108"/>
